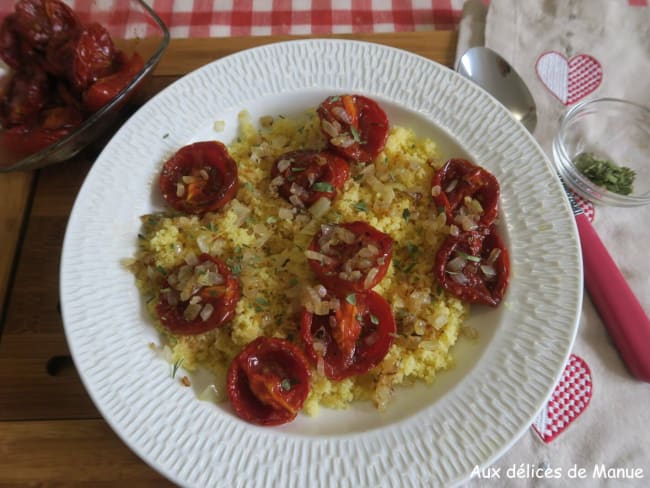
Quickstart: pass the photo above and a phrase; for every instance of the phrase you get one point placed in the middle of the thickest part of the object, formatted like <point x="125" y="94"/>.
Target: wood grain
<point x="190" y="54"/>
<point x="50" y="431"/>
<point x="14" y="195"/>
<point x="70" y="453"/>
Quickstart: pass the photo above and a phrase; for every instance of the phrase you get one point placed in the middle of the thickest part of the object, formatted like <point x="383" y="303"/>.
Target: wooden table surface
<point x="50" y="431"/>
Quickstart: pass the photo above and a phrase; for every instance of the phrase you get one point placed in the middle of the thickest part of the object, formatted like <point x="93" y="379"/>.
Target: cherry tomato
<point x="25" y="140"/>
<point x="40" y="22"/>
<point x="474" y="266"/>
<point x="302" y="177"/>
<point x="199" y="178"/>
<point x="351" y="340"/>
<point x="268" y="381"/>
<point x="12" y="48"/>
<point x="92" y="58"/>
<point x="350" y="257"/>
<point x="105" y="89"/>
<point x="198" y="298"/>
<point x="355" y="126"/>
<point x="29" y="91"/>
<point x="458" y="179"/>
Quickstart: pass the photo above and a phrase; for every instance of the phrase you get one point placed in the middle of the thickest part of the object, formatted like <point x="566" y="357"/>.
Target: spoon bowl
<point x="491" y="72"/>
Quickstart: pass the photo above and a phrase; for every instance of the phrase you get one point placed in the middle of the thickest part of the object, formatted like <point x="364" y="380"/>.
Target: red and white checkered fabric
<point x="225" y="18"/>
<point x="569" y="399"/>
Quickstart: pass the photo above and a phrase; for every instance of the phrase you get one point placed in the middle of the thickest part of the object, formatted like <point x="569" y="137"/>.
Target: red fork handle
<point x="618" y="307"/>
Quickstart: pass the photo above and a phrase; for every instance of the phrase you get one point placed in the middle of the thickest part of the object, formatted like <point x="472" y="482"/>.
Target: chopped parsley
<point x="468" y="257"/>
<point x="605" y="173"/>
<point x="322" y="186"/>
<point x="286" y="384"/>
<point x="374" y="320"/>
<point x="249" y="186"/>
<point x="361" y="206"/>
<point x="406" y="214"/>
<point x="351" y="298"/>
<point x="176" y="366"/>
<point x="355" y="135"/>
<point x="297" y="169"/>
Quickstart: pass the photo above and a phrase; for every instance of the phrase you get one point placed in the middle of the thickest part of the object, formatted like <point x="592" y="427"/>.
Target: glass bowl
<point x="134" y="27"/>
<point x="605" y="129"/>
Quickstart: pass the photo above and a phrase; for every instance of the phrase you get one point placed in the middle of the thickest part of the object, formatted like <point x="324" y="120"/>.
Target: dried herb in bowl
<point x="605" y="173"/>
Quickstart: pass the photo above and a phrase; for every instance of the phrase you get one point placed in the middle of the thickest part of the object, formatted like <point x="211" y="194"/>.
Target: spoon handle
<point x="618" y="307"/>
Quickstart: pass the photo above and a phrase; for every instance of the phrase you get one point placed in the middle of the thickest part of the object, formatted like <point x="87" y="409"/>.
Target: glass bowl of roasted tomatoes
<point x="67" y="71"/>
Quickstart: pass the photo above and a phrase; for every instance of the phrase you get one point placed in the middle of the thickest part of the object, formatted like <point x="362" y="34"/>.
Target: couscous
<point x="264" y="240"/>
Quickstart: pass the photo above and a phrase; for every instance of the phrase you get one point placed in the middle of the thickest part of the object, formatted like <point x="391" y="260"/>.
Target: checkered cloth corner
<point x="569" y="399"/>
<point x="225" y="18"/>
<point x="586" y="205"/>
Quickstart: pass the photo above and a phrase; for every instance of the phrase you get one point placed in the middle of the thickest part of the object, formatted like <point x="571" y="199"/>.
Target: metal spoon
<point x="491" y="72"/>
<point x="618" y="307"/>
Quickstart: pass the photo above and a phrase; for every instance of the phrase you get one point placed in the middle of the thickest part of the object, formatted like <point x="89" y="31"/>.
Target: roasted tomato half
<point x="355" y="126"/>
<point x="105" y="89"/>
<point x="458" y="179"/>
<point x="352" y="338"/>
<point x="199" y="178"/>
<point x="350" y="257"/>
<point x="474" y="266"/>
<point x="92" y="56"/>
<point x="302" y="177"/>
<point x="43" y="22"/>
<point x="198" y="296"/>
<point x="268" y="381"/>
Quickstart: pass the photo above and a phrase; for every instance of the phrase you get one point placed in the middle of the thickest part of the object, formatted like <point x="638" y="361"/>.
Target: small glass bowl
<point x="134" y="27"/>
<point x="608" y="128"/>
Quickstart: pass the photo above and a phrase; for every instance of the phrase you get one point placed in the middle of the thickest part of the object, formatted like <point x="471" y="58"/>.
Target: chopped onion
<point x="435" y="190"/>
<point x="277" y="181"/>
<point x="344" y="140"/>
<point x="460" y="278"/>
<point x="372" y="274"/>
<point x="494" y="255"/>
<point x="341" y="114"/>
<point x="192" y="311"/>
<point x="189" y="179"/>
<point x="204" y="174"/>
<point x="320" y="366"/>
<point x="320" y="207"/>
<point x="180" y="189"/>
<point x="456" y="264"/>
<point x="203" y="242"/>
<point x="283" y="165"/>
<point x="206" y="312"/>
<point x="285" y="213"/>
<point x="317" y="256"/>
<point x="296" y="201"/>
<point x="451" y="186"/>
<point x="488" y="270"/>
<point x="191" y="259"/>
<point x="329" y="128"/>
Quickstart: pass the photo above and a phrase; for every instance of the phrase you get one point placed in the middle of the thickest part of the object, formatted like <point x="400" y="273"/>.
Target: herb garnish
<point x="361" y="206"/>
<point x="322" y="186"/>
<point x="351" y="299"/>
<point x="176" y="366"/>
<point x="602" y="172"/>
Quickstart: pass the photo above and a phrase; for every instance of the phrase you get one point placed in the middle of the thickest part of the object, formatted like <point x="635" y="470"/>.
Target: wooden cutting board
<point x="50" y="431"/>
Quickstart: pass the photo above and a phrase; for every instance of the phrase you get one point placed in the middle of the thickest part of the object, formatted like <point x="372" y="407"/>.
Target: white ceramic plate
<point x="431" y="435"/>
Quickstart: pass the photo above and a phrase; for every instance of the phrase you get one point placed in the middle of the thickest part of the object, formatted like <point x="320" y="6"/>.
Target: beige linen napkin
<point x="614" y="430"/>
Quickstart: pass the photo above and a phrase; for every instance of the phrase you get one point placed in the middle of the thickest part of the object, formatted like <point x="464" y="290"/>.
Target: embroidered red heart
<point x="569" y="399"/>
<point x="569" y="80"/>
